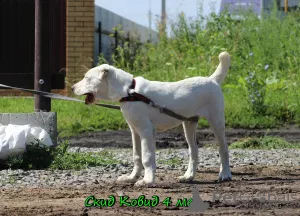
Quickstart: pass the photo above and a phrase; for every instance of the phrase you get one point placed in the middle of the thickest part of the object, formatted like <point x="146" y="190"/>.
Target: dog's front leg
<point x="148" y="155"/>
<point x="137" y="159"/>
<point x="190" y="129"/>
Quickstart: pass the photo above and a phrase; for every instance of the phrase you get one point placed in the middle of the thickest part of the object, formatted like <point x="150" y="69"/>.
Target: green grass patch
<point x="72" y="118"/>
<point x="172" y="161"/>
<point x="39" y="156"/>
<point x="266" y="142"/>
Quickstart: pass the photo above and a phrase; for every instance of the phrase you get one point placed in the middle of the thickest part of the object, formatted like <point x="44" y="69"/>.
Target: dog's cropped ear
<point x="105" y="68"/>
<point x="103" y="71"/>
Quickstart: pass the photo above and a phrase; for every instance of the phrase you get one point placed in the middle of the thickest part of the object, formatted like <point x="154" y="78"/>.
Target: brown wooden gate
<point x="17" y="42"/>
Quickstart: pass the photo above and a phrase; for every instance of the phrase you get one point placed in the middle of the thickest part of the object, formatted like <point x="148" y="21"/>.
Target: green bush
<point x="262" y="83"/>
<point x="266" y="142"/>
<point x="36" y="156"/>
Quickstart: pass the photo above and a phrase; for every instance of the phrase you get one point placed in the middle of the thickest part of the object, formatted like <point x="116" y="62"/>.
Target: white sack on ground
<point x="13" y="138"/>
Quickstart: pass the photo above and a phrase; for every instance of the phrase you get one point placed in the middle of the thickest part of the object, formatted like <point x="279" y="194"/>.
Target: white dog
<point x="197" y="96"/>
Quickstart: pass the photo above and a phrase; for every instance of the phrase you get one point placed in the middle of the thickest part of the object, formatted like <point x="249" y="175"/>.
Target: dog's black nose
<point x="73" y="88"/>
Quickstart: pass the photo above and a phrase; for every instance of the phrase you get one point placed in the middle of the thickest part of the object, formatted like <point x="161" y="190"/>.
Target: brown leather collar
<point x="135" y="96"/>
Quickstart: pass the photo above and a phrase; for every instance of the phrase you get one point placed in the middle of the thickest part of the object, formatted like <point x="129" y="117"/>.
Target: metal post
<point x="116" y="39"/>
<point x="150" y="22"/>
<point x="163" y="17"/>
<point x="42" y="79"/>
<point x="100" y="37"/>
<point x="163" y="12"/>
<point x="286" y="3"/>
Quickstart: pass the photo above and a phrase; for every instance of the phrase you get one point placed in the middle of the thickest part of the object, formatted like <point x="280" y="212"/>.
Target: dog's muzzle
<point x="90" y="98"/>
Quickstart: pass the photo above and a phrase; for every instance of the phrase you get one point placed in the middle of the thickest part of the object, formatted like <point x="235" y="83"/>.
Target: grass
<point x="76" y="118"/>
<point x="171" y="161"/>
<point x="266" y="142"/>
<point x="73" y="118"/>
<point x="38" y="156"/>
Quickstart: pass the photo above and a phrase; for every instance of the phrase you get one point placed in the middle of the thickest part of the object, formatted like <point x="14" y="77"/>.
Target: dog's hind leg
<point x="217" y="122"/>
<point x="190" y="135"/>
<point x="137" y="159"/>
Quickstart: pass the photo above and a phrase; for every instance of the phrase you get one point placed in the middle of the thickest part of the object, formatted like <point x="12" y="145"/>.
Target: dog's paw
<point x="127" y="179"/>
<point x="225" y="176"/>
<point x="144" y="183"/>
<point x="185" y="178"/>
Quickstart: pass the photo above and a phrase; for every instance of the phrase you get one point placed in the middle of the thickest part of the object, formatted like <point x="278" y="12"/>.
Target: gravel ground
<point x="257" y="176"/>
<point x="208" y="157"/>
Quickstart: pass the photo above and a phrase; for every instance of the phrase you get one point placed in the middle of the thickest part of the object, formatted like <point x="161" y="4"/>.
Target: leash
<point x="131" y="97"/>
<point x="172" y="114"/>
<point x="57" y="96"/>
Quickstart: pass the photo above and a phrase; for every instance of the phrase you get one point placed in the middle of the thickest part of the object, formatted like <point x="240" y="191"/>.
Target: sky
<point x="138" y="10"/>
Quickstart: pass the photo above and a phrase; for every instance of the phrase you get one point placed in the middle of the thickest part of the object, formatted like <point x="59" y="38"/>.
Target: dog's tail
<point x="221" y="71"/>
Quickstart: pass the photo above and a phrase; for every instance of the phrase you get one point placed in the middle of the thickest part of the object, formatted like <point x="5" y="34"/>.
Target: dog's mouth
<point x="89" y="98"/>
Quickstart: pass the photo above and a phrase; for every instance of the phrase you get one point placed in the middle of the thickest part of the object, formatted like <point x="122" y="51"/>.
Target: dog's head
<point x="103" y="82"/>
<point x="94" y="84"/>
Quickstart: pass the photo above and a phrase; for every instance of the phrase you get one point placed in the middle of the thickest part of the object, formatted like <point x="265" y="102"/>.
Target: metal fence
<point x="108" y="37"/>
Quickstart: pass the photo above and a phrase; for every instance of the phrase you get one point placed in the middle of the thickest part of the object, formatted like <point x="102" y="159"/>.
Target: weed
<point x="65" y="160"/>
<point x="39" y="156"/>
<point x="256" y="93"/>
<point x="12" y="179"/>
<point x="36" y="156"/>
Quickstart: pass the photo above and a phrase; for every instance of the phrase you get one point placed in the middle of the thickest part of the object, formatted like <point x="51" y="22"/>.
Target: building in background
<point x="257" y="6"/>
<point x="235" y="7"/>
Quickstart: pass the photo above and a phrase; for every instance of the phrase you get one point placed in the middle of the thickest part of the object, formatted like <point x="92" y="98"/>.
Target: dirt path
<point x="247" y="194"/>
<point x="175" y="138"/>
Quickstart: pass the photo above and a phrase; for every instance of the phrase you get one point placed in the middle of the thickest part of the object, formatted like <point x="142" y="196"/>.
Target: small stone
<point x="43" y="176"/>
<point x="120" y="193"/>
<point x="124" y="164"/>
<point x="107" y="176"/>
